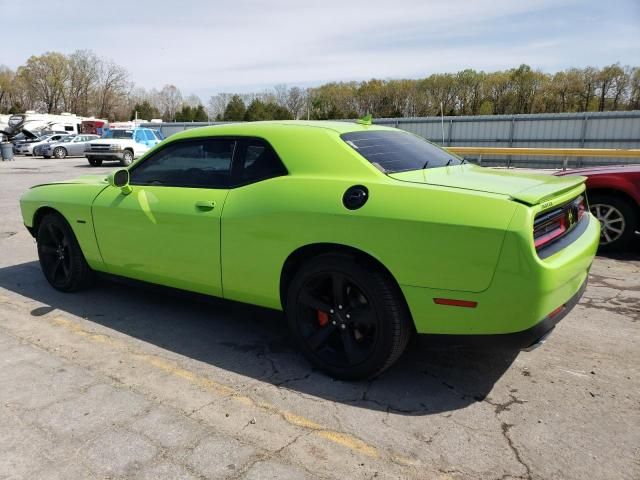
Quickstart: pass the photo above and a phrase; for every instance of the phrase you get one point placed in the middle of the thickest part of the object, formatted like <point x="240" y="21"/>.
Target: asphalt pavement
<point x="124" y="381"/>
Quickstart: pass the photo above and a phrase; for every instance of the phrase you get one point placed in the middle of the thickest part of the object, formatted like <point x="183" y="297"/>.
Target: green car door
<point x="166" y="230"/>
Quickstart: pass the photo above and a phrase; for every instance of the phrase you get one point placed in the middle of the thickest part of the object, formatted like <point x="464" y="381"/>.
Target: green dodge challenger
<point x="362" y="234"/>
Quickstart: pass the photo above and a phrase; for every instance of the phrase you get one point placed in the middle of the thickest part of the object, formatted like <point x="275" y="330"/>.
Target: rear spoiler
<point x="546" y="191"/>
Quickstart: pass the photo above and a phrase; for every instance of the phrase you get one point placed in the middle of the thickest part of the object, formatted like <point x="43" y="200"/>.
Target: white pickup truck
<point x="123" y="145"/>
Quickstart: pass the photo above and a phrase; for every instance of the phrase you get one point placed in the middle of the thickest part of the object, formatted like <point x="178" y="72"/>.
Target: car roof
<point x="304" y="146"/>
<point x="256" y="128"/>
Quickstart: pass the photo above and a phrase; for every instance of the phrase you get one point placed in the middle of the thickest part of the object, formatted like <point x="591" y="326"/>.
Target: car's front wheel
<point x="60" y="153"/>
<point x="618" y="221"/>
<point x="95" y="162"/>
<point x="348" y="317"/>
<point x="127" y="158"/>
<point x="61" y="258"/>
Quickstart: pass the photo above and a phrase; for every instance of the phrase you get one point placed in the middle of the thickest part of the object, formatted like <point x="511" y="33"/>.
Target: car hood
<point x="530" y="188"/>
<point x="600" y="170"/>
<point x="83" y="179"/>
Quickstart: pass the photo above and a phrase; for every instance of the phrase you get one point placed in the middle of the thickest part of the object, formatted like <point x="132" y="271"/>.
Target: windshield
<point x="399" y="151"/>
<point x="118" y="134"/>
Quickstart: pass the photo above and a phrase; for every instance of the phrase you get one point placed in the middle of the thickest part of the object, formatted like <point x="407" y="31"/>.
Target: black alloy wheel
<point x="61" y="258"/>
<point x="349" y="318"/>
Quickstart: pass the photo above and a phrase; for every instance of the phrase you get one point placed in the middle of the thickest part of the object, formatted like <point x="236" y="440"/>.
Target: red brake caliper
<point x="323" y="318"/>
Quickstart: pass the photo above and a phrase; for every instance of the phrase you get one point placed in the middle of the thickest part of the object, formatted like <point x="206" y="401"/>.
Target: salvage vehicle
<point x="123" y="145"/>
<point x="71" y="146"/>
<point x="361" y="234"/>
<point x="614" y="198"/>
<point x="28" y="147"/>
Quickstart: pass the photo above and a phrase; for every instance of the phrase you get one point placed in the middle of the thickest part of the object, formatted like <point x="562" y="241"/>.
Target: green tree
<point x="45" y="77"/>
<point x="235" y="110"/>
<point x="7" y="88"/>
<point x="145" y="110"/>
<point x="200" y="114"/>
<point x="257" y="110"/>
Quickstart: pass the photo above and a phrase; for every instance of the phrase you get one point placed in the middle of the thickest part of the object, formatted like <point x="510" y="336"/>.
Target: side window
<point x="139" y="136"/>
<point x="202" y="163"/>
<point x="150" y="136"/>
<point x="259" y="162"/>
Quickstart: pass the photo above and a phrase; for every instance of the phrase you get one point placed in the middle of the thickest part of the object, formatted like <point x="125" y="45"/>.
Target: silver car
<point x="27" y="148"/>
<point x="68" y="147"/>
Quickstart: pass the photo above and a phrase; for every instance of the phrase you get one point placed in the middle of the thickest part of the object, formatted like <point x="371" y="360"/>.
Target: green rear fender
<point x="424" y="236"/>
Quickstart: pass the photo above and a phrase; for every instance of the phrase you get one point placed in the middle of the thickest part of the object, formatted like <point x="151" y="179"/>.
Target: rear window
<point x="118" y="134"/>
<point x="398" y="151"/>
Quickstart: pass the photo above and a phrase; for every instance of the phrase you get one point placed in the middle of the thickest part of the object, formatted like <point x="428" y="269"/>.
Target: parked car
<point x="27" y="148"/>
<point x="72" y="146"/>
<point x="123" y="145"/>
<point x="614" y="198"/>
<point x="28" y="137"/>
<point x="362" y="234"/>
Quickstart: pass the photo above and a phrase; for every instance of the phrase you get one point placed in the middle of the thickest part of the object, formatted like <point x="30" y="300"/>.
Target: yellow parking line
<point x="172" y="368"/>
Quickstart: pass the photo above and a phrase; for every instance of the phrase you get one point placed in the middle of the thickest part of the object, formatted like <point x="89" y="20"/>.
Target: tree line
<point x="87" y="85"/>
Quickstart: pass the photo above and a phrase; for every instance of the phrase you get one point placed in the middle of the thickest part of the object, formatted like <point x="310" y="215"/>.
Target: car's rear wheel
<point x="95" y="162"/>
<point x="127" y="158"/>
<point x="618" y="221"/>
<point x="61" y="258"/>
<point x="349" y="318"/>
<point x="60" y="153"/>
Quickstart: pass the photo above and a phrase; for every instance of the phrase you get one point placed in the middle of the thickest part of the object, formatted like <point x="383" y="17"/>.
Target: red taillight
<point x="582" y="207"/>
<point x="552" y="225"/>
<point x="553" y="231"/>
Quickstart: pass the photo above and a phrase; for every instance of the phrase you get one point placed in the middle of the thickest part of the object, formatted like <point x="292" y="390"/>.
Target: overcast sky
<point x="206" y="47"/>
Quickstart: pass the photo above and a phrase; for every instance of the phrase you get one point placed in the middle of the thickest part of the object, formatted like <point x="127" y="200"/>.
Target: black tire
<point x="60" y="153"/>
<point x="354" y="341"/>
<point x="61" y="258"/>
<point x="127" y="158"/>
<point x="625" y="218"/>
<point x="95" y="162"/>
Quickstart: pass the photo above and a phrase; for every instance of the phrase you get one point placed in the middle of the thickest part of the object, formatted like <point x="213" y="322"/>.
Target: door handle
<point x="205" y="205"/>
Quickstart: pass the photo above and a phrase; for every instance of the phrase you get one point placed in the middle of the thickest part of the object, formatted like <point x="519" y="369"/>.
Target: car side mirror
<point x="120" y="179"/>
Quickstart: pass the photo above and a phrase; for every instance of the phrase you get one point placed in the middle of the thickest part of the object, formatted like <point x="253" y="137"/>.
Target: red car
<point x="614" y="198"/>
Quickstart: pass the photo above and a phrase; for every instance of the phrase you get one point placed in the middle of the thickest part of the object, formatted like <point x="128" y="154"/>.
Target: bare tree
<point x="170" y="100"/>
<point x="83" y="67"/>
<point x="281" y="94"/>
<point x="296" y="102"/>
<point x="193" y="101"/>
<point x="217" y="105"/>
<point x="112" y="86"/>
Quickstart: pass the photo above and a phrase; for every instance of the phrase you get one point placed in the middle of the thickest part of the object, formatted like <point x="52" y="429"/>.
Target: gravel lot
<point x="126" y="381"/>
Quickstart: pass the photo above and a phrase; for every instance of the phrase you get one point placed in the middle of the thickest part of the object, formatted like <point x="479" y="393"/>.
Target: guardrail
<point x="545" y="152"/>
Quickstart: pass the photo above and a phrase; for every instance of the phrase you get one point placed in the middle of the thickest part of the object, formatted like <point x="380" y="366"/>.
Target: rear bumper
<point x="524" y="340"/>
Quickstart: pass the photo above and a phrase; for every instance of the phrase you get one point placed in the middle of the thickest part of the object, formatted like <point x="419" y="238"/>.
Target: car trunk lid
<point x="529" y="188"/>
